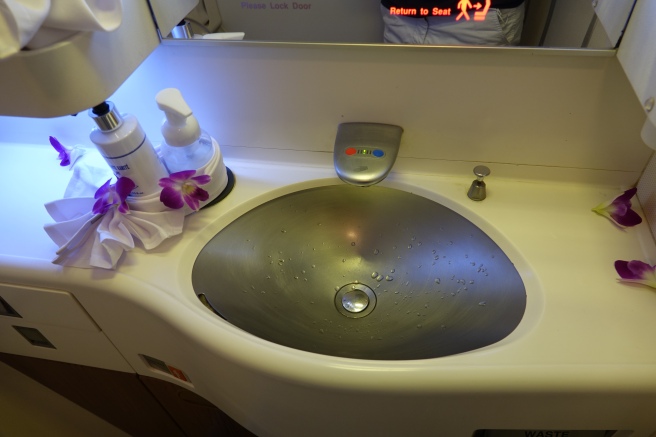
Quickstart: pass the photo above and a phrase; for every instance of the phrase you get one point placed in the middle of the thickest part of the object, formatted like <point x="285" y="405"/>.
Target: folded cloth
<point x="89" y="173"/>
<point x="67" y="17"/>
<point x="19" y="22"/>
<point x="90" y="240"/>
<point x="86" y="15"/>
<point x="40" y="23"/>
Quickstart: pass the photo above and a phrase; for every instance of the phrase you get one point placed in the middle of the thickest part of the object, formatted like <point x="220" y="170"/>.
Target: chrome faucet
<point x="477" y="189"/>
<point x="365" y="152"/>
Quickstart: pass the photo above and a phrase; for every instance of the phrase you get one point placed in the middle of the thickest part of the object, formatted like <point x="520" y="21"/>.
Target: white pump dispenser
<point x="186" y="146"/>
<point x="126" y="148"/>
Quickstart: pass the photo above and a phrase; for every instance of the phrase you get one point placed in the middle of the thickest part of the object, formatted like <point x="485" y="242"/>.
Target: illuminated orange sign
<point x="464" y="6"/>
<point x="480" y="15"/>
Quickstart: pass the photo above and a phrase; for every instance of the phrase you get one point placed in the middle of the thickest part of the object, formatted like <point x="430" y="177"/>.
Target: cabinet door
<point x="139" y="405"/>
<point x="52" y="324"/>
<point x="196" y="416"/>
<point x="117" y="397"/>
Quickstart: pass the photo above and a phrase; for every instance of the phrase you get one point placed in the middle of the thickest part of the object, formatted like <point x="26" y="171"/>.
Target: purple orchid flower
<point x="110" y="195"/>
<point x="637" y="272"/>
<point x="619" y="210"/>
<point x="64" y="153"/>
<point x="183" y="187"/>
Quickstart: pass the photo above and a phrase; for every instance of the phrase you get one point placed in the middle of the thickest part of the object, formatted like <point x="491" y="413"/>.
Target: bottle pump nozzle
<point x="180" y="128"/>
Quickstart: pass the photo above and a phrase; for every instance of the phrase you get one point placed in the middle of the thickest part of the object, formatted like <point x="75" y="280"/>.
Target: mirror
<point x="547" y="23"/>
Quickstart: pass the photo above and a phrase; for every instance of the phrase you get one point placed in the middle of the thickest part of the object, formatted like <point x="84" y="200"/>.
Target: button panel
<point x="363" y="151"/>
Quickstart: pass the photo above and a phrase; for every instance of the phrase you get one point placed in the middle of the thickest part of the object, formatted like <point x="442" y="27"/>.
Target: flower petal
<point x="64" y="155"/>
<point x="619" y="209"/>
<point x="627" y="195"/>
<point x="202" y="179"/>
<point x="182" y="187"/>
<point x="102" y="190"/>
<point x="628" y="219"/>
<point x="167" y="182"/>
<point x="109" y="195"/>
<point x="194" y="197"/>
<point x="171" y="198"/>
<point x="182" y="176"/>
<point x="100" y="207"/>
<point x="124" y="186"/>
<point x="636" y="271"/>
<point x="56" y="144"/>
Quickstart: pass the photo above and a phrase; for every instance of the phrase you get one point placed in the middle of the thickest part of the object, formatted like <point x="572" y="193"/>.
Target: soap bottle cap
<point x="180" y="127"/>
<point x="106" y="116"/>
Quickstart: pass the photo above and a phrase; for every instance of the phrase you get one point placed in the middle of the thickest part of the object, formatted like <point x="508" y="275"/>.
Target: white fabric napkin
<point x="104" y="239"/>
<point x="40" y="23"/>
<point x="19" y="22"/>
<point x="90" y="240"/>
<point x="67" y="17"/>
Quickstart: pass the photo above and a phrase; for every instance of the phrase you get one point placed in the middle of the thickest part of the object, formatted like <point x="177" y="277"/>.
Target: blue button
<point x="378" y="153"/>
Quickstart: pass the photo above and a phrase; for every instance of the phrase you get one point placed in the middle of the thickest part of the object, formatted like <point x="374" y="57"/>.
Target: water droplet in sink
<point x="437" y="280"/>
<point x="482" y="303"/>
<point x="389" y="278"/>
<point x="376" y="251"/>
<point x="374" y="274"/>
<point x="409" y="246"/>
<point x="379" y="278"/>
<point x="352" y="243"/>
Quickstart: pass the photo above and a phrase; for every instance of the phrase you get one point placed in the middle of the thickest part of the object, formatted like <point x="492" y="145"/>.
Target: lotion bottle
<point x="121" y="140"/>
<point x="186" y="146"/>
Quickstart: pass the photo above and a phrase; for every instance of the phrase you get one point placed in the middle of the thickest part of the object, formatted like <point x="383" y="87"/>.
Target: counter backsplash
<point x="537" y="109"/>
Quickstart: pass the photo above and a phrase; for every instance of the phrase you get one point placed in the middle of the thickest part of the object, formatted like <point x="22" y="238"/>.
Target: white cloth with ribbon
<point x="90" y="240"/>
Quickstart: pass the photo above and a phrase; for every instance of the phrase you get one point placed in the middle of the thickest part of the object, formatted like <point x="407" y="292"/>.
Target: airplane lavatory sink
<point x="368" y="273"/>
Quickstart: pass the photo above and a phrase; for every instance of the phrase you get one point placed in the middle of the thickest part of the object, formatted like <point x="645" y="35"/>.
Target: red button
<point x="351" y="151"/>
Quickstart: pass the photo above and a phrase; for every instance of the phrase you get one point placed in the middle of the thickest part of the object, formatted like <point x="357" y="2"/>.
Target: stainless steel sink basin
<point x="369" y="273"/>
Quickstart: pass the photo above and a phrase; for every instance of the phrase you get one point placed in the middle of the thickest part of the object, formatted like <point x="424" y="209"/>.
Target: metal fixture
<point x="355" y="300"/>
<point x="365" y="152"/>
<point x="477" y="189"/>
<point x="205" y="301"/>
<point x="182" y="30"/>
<point x="378" y="274"/>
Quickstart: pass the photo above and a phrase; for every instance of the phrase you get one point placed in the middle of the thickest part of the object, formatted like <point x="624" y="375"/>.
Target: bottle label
<point x="123" y="167"/>
<point x="142" y="165"/>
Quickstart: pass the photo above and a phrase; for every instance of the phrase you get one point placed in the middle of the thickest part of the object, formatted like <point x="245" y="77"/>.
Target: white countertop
<point x="583" y="332"/>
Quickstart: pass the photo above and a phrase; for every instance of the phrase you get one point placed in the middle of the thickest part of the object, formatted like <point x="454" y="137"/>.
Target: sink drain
<point x="355" y="300"/>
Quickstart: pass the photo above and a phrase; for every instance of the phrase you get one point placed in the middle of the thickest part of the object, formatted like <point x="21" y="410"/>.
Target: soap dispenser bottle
<point x="121" y="140"/>
<point x="186" y="146"/>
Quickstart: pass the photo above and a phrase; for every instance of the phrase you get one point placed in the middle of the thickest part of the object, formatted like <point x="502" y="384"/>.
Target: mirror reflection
<point x="596" y="24"/>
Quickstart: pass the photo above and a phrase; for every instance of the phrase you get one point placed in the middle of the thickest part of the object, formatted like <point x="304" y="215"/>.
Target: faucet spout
<point x="364" y="153"/>
<point x="477" y="190"/>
